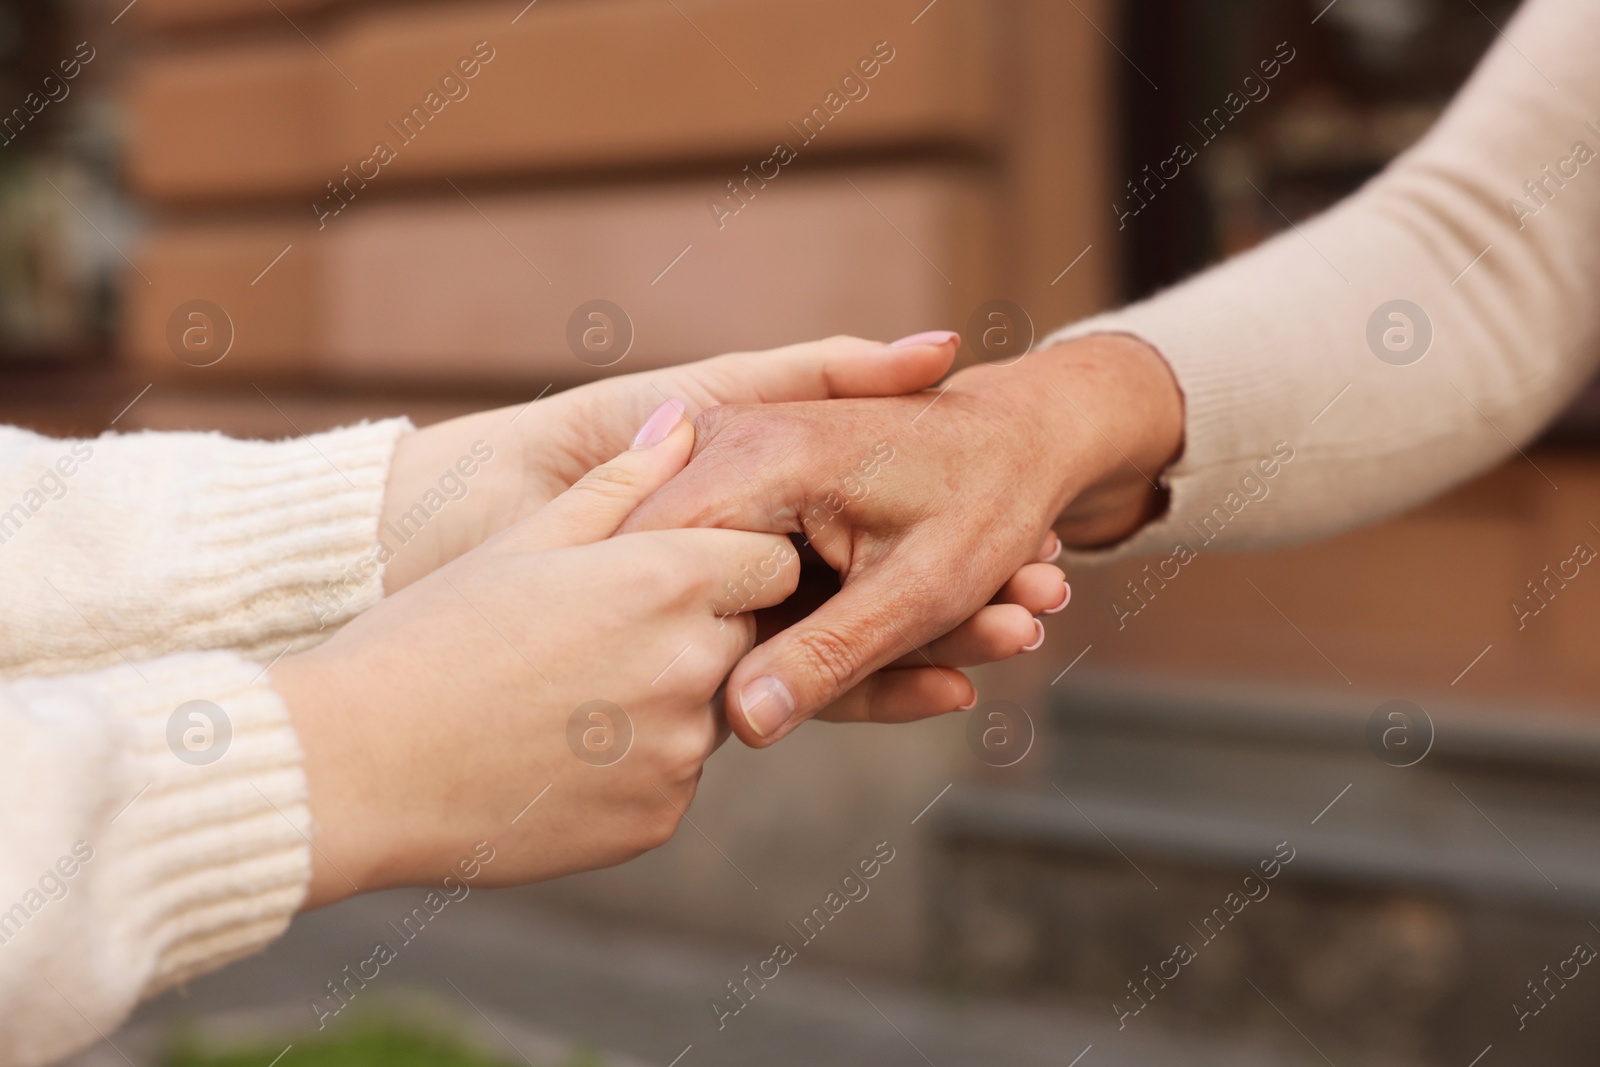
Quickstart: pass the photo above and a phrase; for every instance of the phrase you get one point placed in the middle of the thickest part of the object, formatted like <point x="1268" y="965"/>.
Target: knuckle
<point x="1001" y="642"/>
<point x="736" y="590"/>
<point x="665" y="576"/>
<point x="711" y="421"/>
<point x="650" y="579"/>
<point x="657" y="827"/>
<point x="832" y="656"/>
<point x="665" y="591"/>
<point x="612" y="482"/>
<point x="704" y="669"/>
<point x="734" y="426"/>
<point x="688" y="571"/>
<point x="686" y="752"/>
<point x="787" y="562"/>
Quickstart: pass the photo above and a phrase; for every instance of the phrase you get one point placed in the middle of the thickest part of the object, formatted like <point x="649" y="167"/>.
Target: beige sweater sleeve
<point x="1490" y="226"/>
<point x="153" y="814"/>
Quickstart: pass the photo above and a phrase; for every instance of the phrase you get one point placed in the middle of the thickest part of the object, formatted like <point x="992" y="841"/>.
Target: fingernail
<point x="1066" y="598"/>
<point x="767" y="704"/>
<point x="1037" y="641"/>
<point x="659" y="424"/>
<point x="1055" y="554"/>
<point x="969" y="705"/>
<point x="929" y="337"/>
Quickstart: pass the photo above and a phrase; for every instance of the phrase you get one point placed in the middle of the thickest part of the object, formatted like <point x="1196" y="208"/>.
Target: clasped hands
<point x="576" y="567"/>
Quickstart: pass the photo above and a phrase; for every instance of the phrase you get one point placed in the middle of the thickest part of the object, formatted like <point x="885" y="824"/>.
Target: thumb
<point x="597" y="503"/>
<point x="789" y="678"/>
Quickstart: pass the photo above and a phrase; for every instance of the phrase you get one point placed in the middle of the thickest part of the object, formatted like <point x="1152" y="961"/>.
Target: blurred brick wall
<point x="447" y="183"/>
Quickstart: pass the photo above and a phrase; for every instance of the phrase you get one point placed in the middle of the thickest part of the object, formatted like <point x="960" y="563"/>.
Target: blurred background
<point x="251" y="215"/>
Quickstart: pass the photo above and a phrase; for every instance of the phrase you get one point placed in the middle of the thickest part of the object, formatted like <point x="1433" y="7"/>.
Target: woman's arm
<point x="155" y="824"/>
<point x="1490" y="226"/>
<point x="159" y="818"/>
<point x="127" y="548"/>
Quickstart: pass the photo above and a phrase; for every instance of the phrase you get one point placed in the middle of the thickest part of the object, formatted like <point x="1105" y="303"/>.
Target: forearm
<point x="1274" y="351"/>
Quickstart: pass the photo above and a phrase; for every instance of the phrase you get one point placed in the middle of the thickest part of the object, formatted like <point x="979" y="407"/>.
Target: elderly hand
<point x="927" y="506"/>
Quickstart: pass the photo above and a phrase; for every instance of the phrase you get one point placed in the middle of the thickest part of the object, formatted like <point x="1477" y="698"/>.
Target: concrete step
<point x="1388" y="876"/>
<point x="548" y="982"/>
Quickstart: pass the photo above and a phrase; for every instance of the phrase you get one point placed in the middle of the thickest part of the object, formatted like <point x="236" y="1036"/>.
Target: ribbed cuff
<point x="286" y="538"/>
<point x="213" y="857"/>
<point x="171" y="542"/>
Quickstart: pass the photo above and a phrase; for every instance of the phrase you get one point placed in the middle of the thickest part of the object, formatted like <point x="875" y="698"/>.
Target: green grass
<point x="373" y="1042"/>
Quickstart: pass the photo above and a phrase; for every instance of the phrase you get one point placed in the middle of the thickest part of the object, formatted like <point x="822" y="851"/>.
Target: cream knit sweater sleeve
<point x="1490" y="226"/>
<point x="153" y="816"/>
<point x="125" y="548"/>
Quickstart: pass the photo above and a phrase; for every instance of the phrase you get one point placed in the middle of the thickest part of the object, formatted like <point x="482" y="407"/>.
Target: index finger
<point x="735" y="570"/>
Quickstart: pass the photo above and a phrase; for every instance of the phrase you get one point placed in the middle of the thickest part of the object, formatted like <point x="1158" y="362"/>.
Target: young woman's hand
<point x="459" y="710"/>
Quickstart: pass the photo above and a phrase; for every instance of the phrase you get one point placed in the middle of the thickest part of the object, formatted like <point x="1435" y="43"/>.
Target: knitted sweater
<point x="152" y="803"/>
<point x="1489" y="227"/>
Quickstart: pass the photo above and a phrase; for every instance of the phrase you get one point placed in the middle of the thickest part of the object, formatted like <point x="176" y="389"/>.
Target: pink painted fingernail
<point x="1066" y="598"/>
<point x="1055" y="554"/>
<point x="659" y="424"/>
<point x="767" y="704"/>
<point x="930" y="337"/>
<point x="1037" y="641"/>
<point x="969" y="705"/>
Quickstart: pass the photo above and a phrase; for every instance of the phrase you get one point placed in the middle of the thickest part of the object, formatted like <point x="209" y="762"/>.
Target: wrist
<point x="450" y="487"/>
<point x="1107" y="420"/>
<point x="347" y="844"/>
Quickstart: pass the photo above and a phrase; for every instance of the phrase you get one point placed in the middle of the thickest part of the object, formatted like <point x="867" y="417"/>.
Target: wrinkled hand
<point x="927" y="506"/>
